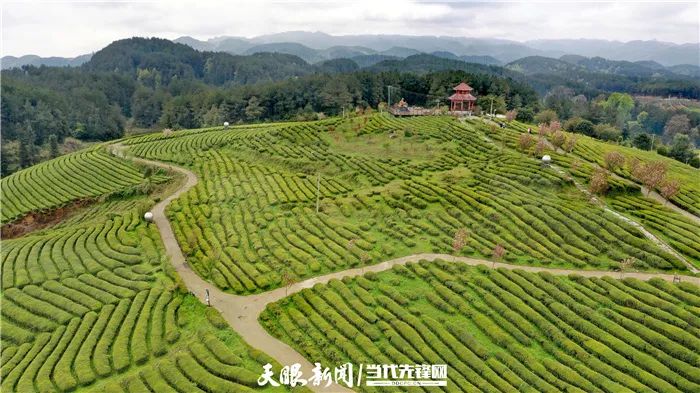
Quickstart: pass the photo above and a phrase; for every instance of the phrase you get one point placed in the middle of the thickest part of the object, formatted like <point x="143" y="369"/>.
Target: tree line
<point x="139" y="84"/>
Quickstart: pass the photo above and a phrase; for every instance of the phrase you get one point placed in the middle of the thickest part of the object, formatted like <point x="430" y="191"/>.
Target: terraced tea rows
<point x="87" y="305"/>
<point x="85" y="174"/>
<point x="589" y="153"/>
<point x="681" y="232"/>
<point x="502" y="330"/>
<point x="250" y="223"/>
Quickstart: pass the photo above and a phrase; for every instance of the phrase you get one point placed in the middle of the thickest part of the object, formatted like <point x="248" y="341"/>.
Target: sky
<point x="68" y="29"/>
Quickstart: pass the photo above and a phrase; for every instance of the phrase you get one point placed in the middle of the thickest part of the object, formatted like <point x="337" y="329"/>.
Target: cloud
<point x="70" y="29"/>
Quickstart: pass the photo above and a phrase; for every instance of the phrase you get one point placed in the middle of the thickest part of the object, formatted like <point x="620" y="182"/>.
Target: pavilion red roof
<point x="462" y="87"/>
<point x="462" y="97"/>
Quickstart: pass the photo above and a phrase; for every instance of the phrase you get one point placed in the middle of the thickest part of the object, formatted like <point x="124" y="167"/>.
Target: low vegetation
<point x="502" y="330"/>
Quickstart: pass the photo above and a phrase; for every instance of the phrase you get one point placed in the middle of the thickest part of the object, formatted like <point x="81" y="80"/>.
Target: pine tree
<point x="27" y="150"/>
<point x="53" y="146"/>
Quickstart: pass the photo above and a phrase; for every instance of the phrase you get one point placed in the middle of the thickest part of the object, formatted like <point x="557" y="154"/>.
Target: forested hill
<point x="142" y="83"/>
<point x="155" y="61"/>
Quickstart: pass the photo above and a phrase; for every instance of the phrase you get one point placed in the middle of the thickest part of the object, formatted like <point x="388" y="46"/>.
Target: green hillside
<point x="85" y="174"/>
<point x="90" y="301"/>
<point x="93" y="305"/>
<point x="388" y="187"/>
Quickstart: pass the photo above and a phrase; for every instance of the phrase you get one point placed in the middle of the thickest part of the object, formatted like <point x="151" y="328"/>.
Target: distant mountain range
<point x="367" y="50"/>
<point x="504" y="50"/>
<point x="12" y="61"/>
<point x="568" y="64"/>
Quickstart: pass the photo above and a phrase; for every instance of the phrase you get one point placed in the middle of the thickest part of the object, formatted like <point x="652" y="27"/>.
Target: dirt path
<point x="659" y="242"/>
<point x="242" y="312"/>
<point x="656" y="240"/>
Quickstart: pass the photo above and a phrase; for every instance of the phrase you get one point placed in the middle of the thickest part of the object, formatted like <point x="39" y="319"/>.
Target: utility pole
<point x="318" y="191"/>
<point x="491" y="111"/>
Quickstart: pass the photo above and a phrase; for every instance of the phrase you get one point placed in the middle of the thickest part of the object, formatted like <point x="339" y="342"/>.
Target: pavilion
<point x="462" y="100"/>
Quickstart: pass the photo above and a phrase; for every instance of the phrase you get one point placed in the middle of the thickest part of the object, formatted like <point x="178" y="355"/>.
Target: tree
<point x="570" y="143"/>
<point x="546" y="116"/>
<point x="53" y="146"/>
<point x="525" y="142"/>
<point x="9" y="155"/>
<point x="579" y="126"/>
<point x="213" y="117"/>
<point x="677" y="124"/>
<point x="559" y="99"/>
<point x="253" y="110"/>
<point x="459" y="240"/>
<point x="540" y="147"/>
<point x="335" y="95"/>
<point x="669" y="188"/>
<point x="642" y="141"/>
<point x="288" y="280"/>
<point x="147" y="107"/>
<point x="598" y="183"/>
<point x="607" y="132"/>
<point x="651" y="174"/>
<point x="626" y="264"/>
<point x="179" y="114"/>
<point x="525" y="115"/>
<point x="511" y="115"/>
<point x="619" y="106"/>
<point x="614" y="160"/>
<point x="497" y="253"/>
<point x="681" y="148"/>
<point x="27" y="149"/>
<point x="558" y="139"/>
<point x="491" y="102"/>
<point x="642" y="117"/>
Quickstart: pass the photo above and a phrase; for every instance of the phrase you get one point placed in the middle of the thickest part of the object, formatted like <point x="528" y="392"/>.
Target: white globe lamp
<point x="148" y="216"/>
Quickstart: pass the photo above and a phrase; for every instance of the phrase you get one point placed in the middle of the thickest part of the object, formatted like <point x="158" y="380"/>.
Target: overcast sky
<point x="74" y="28"/>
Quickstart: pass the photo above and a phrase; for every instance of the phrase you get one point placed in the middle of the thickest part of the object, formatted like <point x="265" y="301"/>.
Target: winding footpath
<point x="242" y="312"/>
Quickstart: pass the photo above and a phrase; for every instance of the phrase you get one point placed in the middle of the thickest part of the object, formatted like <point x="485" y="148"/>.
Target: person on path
<point x="206" y="296"/>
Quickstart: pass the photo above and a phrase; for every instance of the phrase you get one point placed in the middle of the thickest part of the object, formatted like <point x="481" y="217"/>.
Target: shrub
<point x="215" y="318"/>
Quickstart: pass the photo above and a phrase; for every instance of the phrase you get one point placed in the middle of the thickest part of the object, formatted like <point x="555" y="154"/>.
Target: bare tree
<point x="651" y="174"/>
<point x="540" y="147"/>
<point x="599" y="182"/>
<point x="525" y="142"/>
<point x="498" y="252"/>
<point x="288" y="280"/>
<point x="554" y="126"/>
<point x="511" y="115"/>
<point x="570" y="143"/>
<point x="459" y="240"/>
<point x="558" y="139"/>
<point x="669" y="188"/>
<point x="614" y="160"/>
<point x="633" y="164"/>
<point x="625" y="264"/>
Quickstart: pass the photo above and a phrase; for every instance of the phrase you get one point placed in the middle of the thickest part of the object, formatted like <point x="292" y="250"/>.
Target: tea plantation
<point x="84" y="174"/>
<point x="92" y="303"/>
<point x="389" y="187"/>
<point x="502" y="330"/>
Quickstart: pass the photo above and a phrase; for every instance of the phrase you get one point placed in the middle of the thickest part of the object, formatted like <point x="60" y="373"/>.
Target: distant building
<point x="462" y="100"/>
